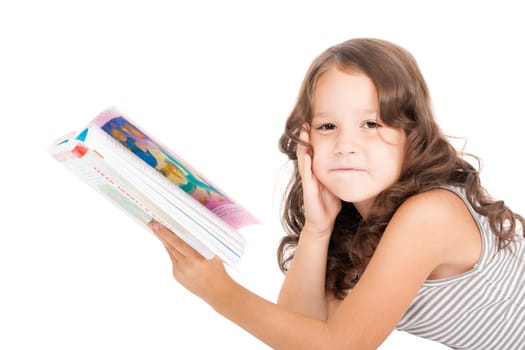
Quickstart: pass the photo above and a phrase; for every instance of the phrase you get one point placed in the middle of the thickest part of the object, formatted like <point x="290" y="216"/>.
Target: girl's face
<point x="355" y="156"/>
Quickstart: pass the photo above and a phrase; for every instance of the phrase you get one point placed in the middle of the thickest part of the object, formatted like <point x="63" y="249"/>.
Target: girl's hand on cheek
<point x="320" y="205"/>
<point x="206" y="278"/>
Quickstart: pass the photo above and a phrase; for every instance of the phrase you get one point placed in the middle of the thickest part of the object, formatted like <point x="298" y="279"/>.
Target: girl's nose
<point x="347" y="142"/>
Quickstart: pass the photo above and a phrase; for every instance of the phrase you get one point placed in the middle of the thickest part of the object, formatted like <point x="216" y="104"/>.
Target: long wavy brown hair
<point x="430" y="160"/>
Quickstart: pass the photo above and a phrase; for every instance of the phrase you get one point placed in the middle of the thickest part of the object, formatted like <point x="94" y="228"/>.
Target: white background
<point x="214" y="81"/>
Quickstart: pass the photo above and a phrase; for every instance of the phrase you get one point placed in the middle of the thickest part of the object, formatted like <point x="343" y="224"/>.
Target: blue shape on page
<point x="82" y="136"/>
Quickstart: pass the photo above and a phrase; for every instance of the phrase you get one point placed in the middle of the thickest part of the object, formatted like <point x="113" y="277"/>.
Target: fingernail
<point x="153" y="225"/>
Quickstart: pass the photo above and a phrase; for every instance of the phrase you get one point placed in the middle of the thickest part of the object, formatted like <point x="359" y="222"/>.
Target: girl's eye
<point x="370" y="125"/>
<point x="326" y="126"/>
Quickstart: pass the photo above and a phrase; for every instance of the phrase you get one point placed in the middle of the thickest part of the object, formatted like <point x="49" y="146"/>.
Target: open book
<point x="149" y="182"/>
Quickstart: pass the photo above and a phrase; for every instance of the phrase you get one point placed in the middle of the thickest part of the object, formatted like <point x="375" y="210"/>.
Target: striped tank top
<point x="481" y="309"/>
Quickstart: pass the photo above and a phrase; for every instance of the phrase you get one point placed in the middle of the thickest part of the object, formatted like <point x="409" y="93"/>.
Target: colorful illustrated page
<point x="160" y="158"/>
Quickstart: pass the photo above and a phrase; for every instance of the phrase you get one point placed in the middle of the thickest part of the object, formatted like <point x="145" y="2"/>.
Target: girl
<point x="387" y="226"/>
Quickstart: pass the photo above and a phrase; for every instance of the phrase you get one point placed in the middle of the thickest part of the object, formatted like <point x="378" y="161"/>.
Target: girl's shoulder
<point x="435" y="205"/>
<point x="437" y="221"/>
<point x="445" y="220"/>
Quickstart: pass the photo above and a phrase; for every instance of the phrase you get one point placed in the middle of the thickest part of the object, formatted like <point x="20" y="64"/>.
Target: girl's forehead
<point x="344" y="89"/>
<point x="336" y="73"/>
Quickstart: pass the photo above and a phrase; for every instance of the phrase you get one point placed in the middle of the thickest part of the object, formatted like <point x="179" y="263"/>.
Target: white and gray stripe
<point x="481" y="309"/>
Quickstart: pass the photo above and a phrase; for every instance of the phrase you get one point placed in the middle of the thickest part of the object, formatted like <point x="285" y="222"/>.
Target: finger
<point x="175" y="245"/>
<point x="304" y="163"/>
<point x="165" y="236"/>
<point x="173" y="252"/>
<point x="182" y="247"/>
<point x="175" y="257"/>
<point x="304" y="136"/>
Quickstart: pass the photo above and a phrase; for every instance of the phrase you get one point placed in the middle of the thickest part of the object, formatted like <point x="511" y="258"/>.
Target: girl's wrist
<point x="319" y="234"/>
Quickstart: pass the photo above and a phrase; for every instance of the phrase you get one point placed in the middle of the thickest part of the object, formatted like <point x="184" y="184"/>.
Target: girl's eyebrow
<point x="320" y="115"/>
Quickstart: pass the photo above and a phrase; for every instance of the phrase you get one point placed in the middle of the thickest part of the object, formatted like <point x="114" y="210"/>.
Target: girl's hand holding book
<point x="203" y="277"/>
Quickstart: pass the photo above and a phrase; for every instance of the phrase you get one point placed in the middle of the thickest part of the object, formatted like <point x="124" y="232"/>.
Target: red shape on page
<point x="79" y="151"/>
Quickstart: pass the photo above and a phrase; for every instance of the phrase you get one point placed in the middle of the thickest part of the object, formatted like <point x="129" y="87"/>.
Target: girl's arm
<point x="416" y="241"/>
<point x="303" y="289"/>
